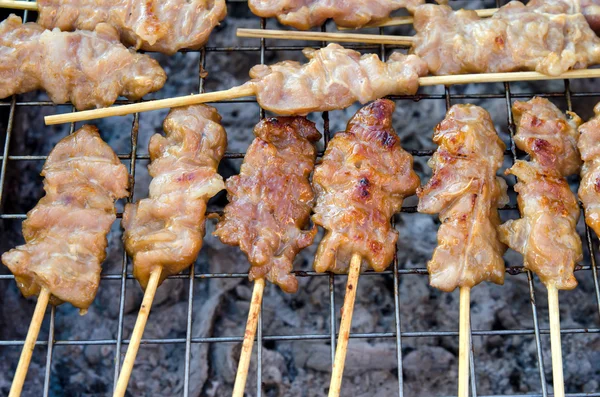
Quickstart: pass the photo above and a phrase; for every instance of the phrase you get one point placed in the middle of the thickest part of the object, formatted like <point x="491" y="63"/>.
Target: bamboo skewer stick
<point x="19" y="5"/>
<point x="464" y="345"/>
<point x="345" y="324"/>
<point x="243" y="91"/>
<point x="248" y="343"/>
<point x="557" y="363"/>
<point x="325" y="36"/>
<point x="32" y="335"/>
<point x="409" y="20"/>
<point x="138" y="331"/>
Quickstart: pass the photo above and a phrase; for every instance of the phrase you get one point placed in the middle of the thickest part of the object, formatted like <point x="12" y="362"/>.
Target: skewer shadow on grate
<point x="199" y="357"/>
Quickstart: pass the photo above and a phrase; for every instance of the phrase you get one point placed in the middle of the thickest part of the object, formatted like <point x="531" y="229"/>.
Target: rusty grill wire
<point x="395" y="271"/>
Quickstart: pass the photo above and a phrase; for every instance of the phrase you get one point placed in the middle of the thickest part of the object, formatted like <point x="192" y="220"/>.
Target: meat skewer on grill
<point x="466" y="192"/>
<point x="65" y="233"/>
<point x="333" y="78"/>
<point x="517" y="37"/>
<point x="589" y="189"/>
<point x="89" y="69"/>
<point x="269" y="210"/>
<point x="546" y="235"/>
<point x="164" y="26"/>
<point x="164" y="232"/>
<point x="361" y="182"/>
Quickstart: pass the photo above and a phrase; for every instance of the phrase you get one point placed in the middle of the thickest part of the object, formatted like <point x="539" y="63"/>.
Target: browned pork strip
<point x="466" y="192"/>
<point x="90" y="69"/>
<point x="545" y="235"/>
<point x="152" y="25"/>
<point x="363" y="178"/>
<point x="166" y="229"/>
<point x="271" y="199"/>
<point x="517" y="37"/>
<point x="65" y="232"/>
<point x="304" y="14"/>
<point x="589" y="189"/>
<point x="334" y="78"/>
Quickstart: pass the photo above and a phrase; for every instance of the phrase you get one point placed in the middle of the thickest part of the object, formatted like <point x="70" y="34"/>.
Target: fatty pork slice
<point x="271" y="199"/>
<point x="89" y="69"/>
<point x="589" y="189"/>
<point x="151" y="25"/>
<point x="517" y="37"/>
<point x="166" y="229"/>
<point x="361" y="182"/>
<point x="466" y="192"/>
<point x="65" y="233"/>
<point x="334" y="78"/>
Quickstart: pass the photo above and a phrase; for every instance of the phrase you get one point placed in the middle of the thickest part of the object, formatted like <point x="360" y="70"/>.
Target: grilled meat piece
<point x="589" y="8"/>
<point x="334" y="78"/>
<point x="545" y="235"/>
<point x="589" y="189"/>
<point x="547" y="135"/>
<point x="165" y="26"/>
<point x="166" y="229"/>
<point x="304" y="14"/>
<point x="90" y="69"/>
<point x="271" y="199"/>
<point x="517" y="37"/>
<point x="363" y="178"/>
<point x="65" y="232"/>
<point x="466" y="192"/>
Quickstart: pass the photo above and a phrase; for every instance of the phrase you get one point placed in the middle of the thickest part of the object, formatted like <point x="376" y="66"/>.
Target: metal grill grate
<point x="193" y="276"/>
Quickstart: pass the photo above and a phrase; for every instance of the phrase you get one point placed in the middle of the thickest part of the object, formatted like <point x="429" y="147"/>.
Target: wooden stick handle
<point x="138" y="331"/>
<point x="236" y="92"/>
<point x="248" y="343"/>
<point x="325" y="36"/>
<point x="32" y="335"/>
<point x="19" y="5"/>
<point x="557" y="364"/>
<point x="408" y="20"/>
<point x="345" y="324"/>
<point x="464" y="345"/>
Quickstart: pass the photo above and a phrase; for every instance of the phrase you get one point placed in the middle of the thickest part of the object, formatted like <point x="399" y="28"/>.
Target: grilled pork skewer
<point x="269" y="209"/>
<point x="466" y="192"/>
<point x="163" y="233"/>
<point x="90" y="69"/>
<point x="589" y="147"/>
<point x="546" y="235"/>
<point x="65" y="233"/>
<point x="361" y="182"/>
<point x="164" y="26"/>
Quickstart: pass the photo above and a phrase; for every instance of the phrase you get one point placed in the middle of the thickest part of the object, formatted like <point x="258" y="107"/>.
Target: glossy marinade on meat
<point x="65" y="233"/>
<point x="89" y="69"/>
<point x="334" y="78"/>
<point x="466" y="192"/>
<point x="361" y="182"/>
<point x="546" y="235"/>
<point x="166" y="229"/>
<point x="150" y="25"/>
<point x="270" y="201"/>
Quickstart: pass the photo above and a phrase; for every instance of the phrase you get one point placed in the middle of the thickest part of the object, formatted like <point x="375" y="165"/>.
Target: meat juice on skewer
<point x="269" y="209"/>
<point x="360" y="184"/>
<point x="89" y="69"/>
<point x="466" y="193"/>
<point x="164" y="232"/>
<point x="546" y="235"/>
<point x="65" y="233"/>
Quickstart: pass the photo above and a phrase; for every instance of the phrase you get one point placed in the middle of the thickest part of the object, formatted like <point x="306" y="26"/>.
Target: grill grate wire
<point x="395" y="271"/>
